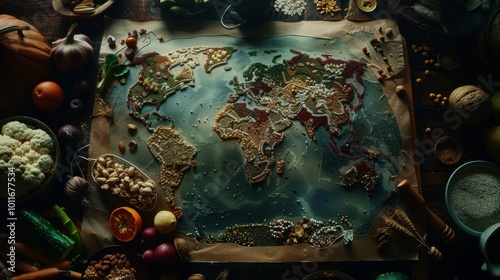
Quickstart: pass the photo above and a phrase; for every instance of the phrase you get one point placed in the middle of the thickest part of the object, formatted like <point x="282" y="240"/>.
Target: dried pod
<point x="183" y="251"/>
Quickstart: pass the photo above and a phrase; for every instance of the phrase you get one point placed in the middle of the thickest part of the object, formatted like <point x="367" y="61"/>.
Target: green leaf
<point x="119" y="70"/>
<point x="110" y="60"/>
<point x="111" y="68"/>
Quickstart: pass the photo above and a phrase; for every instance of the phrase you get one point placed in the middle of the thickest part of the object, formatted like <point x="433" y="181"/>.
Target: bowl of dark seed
<point x="115" y="262"/>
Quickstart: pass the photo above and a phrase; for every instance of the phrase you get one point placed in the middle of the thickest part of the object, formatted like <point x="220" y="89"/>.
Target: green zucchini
<point x="41" y="234"/>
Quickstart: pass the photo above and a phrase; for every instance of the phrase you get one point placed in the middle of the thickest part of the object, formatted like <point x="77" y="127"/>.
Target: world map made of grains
<point x="312" y="90"/>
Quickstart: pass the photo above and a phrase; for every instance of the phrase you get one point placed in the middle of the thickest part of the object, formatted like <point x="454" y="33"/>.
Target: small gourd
<point x="25" y="58"/>
<point x="471" y="103"/>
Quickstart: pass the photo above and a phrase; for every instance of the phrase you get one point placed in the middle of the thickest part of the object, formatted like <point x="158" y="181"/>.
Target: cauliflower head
<point x="19" y="163"/>
<point x="28" y="151"/>
<point x="23" y="149"/>
<point x="32" y="176"/>
<point x="44" y="163"/>
<point x="32" y="156"/>
<point x="41" y="142"/>
<point x="10" y="142"/>
<point x="17" y="130"/>
<point x="6" y="153"/>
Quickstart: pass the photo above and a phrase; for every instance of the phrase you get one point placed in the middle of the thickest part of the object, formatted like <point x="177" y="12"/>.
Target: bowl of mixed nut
<point x="119" y="177"/>
<point x="115" y="262"/>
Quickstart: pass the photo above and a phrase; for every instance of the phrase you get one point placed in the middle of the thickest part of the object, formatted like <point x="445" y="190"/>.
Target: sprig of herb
<point x="111" y="69"/>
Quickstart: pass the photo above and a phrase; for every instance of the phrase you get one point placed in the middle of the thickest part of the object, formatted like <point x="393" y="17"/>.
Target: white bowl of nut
<point x="119" y="177"/>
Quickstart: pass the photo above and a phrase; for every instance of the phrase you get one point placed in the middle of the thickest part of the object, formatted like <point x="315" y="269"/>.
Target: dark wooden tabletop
<point x="462" y="260"/>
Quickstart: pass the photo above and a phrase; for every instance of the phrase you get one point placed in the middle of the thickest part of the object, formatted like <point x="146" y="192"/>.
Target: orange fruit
<point x="125" y="223"/>
<point x="48" y="96"/>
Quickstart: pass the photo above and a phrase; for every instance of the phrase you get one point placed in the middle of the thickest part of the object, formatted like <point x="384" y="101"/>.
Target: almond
<point x="121" y="146"/>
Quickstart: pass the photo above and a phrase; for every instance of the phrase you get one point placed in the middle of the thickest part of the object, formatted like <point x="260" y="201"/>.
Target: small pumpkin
<point x="25" y="58"/>
<point x="471" y="103"/>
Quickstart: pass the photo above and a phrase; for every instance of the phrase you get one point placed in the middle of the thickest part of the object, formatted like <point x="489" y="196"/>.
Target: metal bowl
<point x="473" y="196"/>
<point x="50" y="177"/>
<point x="144" y="177"/>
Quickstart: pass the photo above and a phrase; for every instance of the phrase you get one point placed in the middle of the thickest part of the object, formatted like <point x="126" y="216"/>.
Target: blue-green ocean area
<point x="216" y="193"/>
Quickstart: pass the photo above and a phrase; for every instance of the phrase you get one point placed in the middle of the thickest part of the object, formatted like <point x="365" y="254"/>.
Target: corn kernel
<point x="425" y="53"/>
<point x="427" y="72"/>
<point x="428" y="130"/>
<point x="436" y="100"/>
<point x="437" y="65"/>
<point x="439" y="96"/>
<point x="445" y="98"/>
<point x="431" y="61"/>
<point x="418" y="80"/>
<point x="432" y="95"/>
<point x="443" y="103"/>
<point x="427" y="62"/>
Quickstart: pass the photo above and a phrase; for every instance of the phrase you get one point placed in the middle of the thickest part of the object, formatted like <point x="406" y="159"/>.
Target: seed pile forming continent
<point x="175" y="157"/>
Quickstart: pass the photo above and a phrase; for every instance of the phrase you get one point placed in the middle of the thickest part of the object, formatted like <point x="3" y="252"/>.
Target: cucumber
<point x="41" y="234"/>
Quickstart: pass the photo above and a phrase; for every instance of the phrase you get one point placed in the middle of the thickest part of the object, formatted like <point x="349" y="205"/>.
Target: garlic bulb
<point x="73" y="51"/>
<point x="76" y="187"/>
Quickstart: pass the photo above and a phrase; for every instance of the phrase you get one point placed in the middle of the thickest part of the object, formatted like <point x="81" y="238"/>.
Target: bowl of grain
<point x="473" y="196"/>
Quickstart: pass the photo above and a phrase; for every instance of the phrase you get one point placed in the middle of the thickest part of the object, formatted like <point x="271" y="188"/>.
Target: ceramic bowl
<point x="448" y="150"/>
<point x="64" y="10"/>
<point x="473" y="196"/>
<point x="25" y="197"/>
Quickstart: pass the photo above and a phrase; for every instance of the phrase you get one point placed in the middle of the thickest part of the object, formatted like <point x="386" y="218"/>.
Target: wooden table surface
<point x="461" y="260"/>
